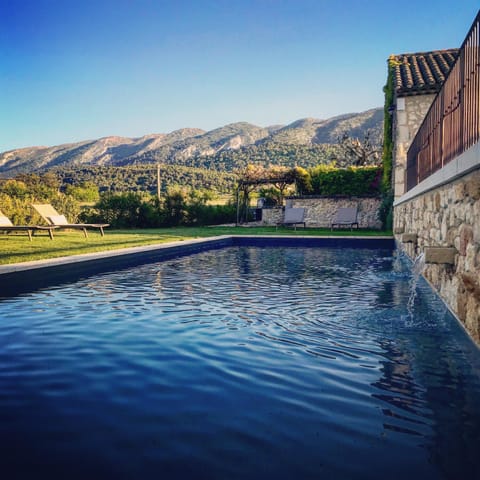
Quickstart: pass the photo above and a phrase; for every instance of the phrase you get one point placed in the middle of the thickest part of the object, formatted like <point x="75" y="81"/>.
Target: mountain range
<point x="189" y="145"/>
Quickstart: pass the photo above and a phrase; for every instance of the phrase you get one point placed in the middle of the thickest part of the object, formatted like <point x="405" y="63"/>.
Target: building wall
<point x="409" y="114"/>
<point x="319" y="211"/>
<point x="448" y="216"/>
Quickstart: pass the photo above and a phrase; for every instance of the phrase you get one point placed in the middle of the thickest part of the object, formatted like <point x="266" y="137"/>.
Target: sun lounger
<point x="7" y="226"/>
<point x="345" y="217"/>
<point x="294" y="217"/>
<point x="52" y="217"/>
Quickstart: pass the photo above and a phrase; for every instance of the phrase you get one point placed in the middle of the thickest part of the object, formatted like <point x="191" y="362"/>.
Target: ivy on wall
<point x="386" y="209"/>
<point x="387" y="156"/>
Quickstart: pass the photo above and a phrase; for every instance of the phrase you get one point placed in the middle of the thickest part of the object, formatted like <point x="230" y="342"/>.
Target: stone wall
<point x="448" y="216"/>
<point x="272" y="216"/>
<point x="409" y="114"/>
<point x="319" y="211"/>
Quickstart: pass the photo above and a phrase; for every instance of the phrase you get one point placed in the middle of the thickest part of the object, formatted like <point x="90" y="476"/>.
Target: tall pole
<point x="158" y="181"/>
<point x="238" y="203"/>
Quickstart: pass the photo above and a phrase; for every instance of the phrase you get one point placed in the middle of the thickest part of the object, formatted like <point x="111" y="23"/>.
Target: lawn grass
<point x="16" y="248"/>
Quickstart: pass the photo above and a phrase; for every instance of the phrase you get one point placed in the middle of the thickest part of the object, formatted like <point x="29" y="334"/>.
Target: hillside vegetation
<point x="117" y="177"/>
<point x="143" y="178"/>
<point x="304" y="142"/>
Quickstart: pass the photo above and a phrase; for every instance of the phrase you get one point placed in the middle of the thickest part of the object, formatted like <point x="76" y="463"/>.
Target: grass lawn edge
<point x="17" y="249"/>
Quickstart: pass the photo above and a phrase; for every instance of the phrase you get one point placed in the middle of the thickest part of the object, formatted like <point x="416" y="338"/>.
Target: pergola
<point x="246" y="186"/>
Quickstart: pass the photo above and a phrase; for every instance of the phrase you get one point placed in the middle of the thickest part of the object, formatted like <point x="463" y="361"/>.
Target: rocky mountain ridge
<point x="189" y="144"/>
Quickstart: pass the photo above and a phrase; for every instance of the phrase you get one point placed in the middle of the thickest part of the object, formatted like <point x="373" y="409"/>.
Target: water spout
<point x="417" y="268"/>
<point x="399" y="258"/>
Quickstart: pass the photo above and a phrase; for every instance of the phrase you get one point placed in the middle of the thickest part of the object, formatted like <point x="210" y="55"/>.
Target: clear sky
<point x="73" y="70"/>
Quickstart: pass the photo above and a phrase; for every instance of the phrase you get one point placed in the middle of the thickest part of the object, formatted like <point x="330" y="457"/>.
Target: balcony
<point x="452" y="124"/>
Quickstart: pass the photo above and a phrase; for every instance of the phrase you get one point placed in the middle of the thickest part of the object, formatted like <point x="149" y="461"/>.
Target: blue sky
<point x="73" y="70"/>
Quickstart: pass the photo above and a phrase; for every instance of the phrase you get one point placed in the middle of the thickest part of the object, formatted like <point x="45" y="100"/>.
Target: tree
<point x="122" y="210"/>
<point x="303" y="181"/>
<point x="358" y="153"/>
<point x="14" y="188"/>
<point x="282" y="178"/>
<point x="85" y="192"/>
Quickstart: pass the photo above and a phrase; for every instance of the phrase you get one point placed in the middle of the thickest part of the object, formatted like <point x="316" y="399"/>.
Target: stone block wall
<point x="272" y="216"/>
<point x="319" y="211"/>
<point x="448" y="216"/>
<point x="409" y="114"/>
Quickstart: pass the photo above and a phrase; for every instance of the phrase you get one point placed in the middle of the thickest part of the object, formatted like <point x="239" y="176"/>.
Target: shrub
<point x="17" y="209"/>
<point x="179" y="206"/>
<point x="20" y="212"/>
<point x="174" y="206"/>
<point x="124" y="210"/>
<point x="303" y="181"/>
<point x="329" y="180"/>
<point x="186" y="206"/>
<point x="211" y="214"/>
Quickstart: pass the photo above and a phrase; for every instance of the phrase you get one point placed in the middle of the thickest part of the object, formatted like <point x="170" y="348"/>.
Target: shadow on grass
<point x="18" y="249"/>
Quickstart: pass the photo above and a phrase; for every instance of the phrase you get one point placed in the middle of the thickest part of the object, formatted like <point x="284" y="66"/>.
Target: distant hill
<point x="224" y="148"/>
<point x="314" y="131"/>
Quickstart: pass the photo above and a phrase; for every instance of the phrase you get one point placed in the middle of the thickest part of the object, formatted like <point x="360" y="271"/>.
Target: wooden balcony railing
<point x="452" y="124"/>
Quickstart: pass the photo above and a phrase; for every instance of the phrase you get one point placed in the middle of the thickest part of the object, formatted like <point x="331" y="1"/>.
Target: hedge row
<point x="329" y="180"/>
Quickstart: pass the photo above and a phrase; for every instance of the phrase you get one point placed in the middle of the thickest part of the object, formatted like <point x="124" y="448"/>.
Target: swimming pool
<point x="243" y="362"/>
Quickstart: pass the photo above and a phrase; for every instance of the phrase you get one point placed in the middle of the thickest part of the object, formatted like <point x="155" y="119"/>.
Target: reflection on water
<point x="242" y="363"/>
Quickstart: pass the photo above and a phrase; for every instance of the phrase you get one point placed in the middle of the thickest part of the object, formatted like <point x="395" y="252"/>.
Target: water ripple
<point x="218" y="362"/>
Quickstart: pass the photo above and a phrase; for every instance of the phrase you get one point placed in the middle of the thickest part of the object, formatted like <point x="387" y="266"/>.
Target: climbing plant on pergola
<point x="253" y="177"/>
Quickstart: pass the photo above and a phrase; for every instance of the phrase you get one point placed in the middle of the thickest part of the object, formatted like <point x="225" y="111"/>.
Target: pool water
<point x="239" y="363"/>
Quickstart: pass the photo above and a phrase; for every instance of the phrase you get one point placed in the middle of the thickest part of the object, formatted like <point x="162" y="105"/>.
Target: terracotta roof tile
<point x="424" y="72"/>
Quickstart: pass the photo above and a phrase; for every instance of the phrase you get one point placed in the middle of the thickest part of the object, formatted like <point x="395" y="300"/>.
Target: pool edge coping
<point x="85" y="257"/>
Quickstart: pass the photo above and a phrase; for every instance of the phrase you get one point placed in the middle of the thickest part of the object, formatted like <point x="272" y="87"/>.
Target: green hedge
<point x="178" y="207"/>
<point x="329" y="180"/>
